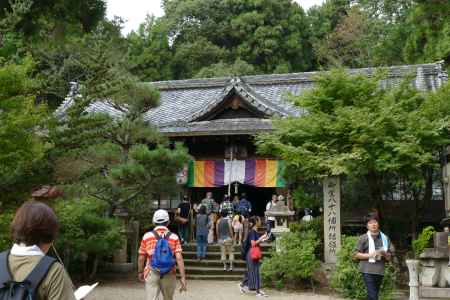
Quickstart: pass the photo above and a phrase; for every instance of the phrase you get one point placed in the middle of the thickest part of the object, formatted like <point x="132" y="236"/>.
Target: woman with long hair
<point x="252" y="277"/>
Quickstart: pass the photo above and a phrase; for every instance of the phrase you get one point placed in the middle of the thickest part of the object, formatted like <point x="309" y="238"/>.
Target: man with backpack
<point x="159" y="253"/>
<point x="26" y="273"/>
<point x="244" y="206"/>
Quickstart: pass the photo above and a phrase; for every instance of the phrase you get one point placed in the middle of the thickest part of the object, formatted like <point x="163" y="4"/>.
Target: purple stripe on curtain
<point x="250" y="168"/>
<point x="219" y="172"/>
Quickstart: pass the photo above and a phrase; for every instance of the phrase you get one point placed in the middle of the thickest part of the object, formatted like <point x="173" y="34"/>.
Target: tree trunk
<point x="94" y="268"/>
<point x="428" y="195"/>
<point x="374" y="182"/>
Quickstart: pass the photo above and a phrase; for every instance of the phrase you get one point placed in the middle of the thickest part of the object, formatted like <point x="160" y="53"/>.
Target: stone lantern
<point x="281" y="213"/>
<point x="120" y="257"/>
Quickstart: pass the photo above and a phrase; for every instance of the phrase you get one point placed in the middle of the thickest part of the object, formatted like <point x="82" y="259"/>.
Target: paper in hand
<point x="84" y="290"/>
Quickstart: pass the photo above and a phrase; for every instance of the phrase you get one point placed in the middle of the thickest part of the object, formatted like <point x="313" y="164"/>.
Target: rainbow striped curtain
<point x="256" y="172"/>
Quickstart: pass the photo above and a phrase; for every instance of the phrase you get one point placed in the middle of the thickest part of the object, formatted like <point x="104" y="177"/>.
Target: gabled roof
<point x="186" y="101"/>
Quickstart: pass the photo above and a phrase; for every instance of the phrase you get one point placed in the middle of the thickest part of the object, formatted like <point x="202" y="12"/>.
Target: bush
<point x="423" y="240"/>
<point x="295" y="264"/>
<point x="87" y="235"/>
<point x="315" y="225"/>
<point x="5" y="237"/>
<point x="347" y="280"/>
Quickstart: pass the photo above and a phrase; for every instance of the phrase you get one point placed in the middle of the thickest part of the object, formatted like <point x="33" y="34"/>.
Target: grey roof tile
<point x="183" y="101"/>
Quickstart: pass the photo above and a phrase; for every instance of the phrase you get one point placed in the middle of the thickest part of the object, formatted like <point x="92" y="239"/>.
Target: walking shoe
<point x="225" y="268"/>
<point x="242" y="288"/>
<point x="261" y="294"/>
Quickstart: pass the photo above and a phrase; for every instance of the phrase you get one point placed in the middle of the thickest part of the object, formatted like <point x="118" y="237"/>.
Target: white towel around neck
<point x="22" y="250"/>
<point x="372" y="245"/>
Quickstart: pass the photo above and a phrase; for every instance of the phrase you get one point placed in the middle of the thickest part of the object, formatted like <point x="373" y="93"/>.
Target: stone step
<point x="216" y="248"/>
<point x="193" y="270"/>
<point x="212" y="263"/>
<point x="227" y="277"/>
<point x="209" y="255"/>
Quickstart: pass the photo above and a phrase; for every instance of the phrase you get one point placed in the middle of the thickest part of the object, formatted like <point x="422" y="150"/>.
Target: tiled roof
<point x="184" y="101"/>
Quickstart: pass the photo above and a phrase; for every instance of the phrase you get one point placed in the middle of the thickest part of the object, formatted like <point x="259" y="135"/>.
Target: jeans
<point x="202" y="242"/>
<point x="373" y="284"/>
<point x="183" y="231"/>
<point x="270" y="224"/>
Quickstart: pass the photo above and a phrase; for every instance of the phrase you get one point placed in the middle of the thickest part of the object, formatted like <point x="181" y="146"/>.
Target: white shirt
<point x="268" y="206"/>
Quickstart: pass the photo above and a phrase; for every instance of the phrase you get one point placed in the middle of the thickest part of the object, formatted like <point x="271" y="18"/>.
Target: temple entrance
<point x="258" y="196"/>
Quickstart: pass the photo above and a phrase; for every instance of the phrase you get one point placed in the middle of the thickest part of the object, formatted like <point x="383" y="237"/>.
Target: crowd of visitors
<point x="210" y="217"/>
<point x="228" y="224"/>
<point x="27" y="273"/>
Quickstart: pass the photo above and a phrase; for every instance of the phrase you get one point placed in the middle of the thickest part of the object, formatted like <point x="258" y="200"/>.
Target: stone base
<point x="434" y="293"/>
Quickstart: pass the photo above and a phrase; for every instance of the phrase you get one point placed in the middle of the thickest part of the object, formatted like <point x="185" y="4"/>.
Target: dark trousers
<point x="183" y="232"/>
<point x="270" y="224"/>
<point x="373" y="284"/>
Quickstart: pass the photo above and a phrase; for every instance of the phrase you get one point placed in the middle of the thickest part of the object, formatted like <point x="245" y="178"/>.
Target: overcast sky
<point x="134" y="11"/>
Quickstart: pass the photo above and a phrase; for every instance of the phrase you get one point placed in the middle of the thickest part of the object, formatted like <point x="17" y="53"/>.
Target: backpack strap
<point x="158" y="236"/>
<point x="39" y="273"/>
<point x="5" y="273"/>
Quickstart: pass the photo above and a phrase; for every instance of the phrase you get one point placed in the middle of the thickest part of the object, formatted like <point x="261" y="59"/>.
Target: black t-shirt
<point x="185" y="208"/>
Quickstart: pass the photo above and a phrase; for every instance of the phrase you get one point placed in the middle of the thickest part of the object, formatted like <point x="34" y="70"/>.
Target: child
<point x="238" y="229"/>
<point x="211" y="227"/>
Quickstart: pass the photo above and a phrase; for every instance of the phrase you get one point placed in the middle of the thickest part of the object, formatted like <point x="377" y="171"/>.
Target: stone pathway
<point x="197" y="290"/>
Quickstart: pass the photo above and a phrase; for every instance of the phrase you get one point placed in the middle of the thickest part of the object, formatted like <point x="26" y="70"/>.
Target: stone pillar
<point x="135" y="243"/>
<point x="121" y="255"/>
<point x="413" y="268"/>
<point x="332" y="217"/>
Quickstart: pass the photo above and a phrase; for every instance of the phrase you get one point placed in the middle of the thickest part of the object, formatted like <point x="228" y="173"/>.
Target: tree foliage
<point x="38" y="18"/>
<point x="295" y="263"/>
<point x="22" y="126"/>
<point x="265" y="34"/>
<point x="86" y="234"/>
<point x="117" y="159"/>
<point x="354" y="127"/>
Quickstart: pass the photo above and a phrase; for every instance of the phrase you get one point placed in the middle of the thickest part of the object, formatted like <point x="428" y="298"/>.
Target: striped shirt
<point x="148" y="245"/>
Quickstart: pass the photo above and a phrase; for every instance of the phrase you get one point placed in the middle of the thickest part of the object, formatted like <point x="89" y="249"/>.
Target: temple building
<point x="217" y="120"/>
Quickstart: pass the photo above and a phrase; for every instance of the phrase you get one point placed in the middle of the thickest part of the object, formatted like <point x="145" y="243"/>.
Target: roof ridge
<point x="282" y="78"/>
<point x="248" y="94"/>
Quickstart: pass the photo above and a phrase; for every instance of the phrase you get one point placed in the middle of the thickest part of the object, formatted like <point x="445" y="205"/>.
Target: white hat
<point x="160" y="216"/>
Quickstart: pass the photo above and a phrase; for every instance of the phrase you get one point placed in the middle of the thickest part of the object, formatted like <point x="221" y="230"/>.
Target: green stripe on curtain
<point x="280" y="173"/>
<point x="191" y="174"/>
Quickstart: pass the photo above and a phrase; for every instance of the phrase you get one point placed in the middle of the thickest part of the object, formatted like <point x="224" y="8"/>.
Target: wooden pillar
<point x="332" y="217"/>
<point x="446" y="181"/>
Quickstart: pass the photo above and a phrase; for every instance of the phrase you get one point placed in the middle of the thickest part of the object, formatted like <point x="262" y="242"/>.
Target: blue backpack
<point x="163" y="260"/>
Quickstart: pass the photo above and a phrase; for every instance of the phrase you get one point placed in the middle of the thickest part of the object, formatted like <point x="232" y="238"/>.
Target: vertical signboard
<point x="332" y="217"/>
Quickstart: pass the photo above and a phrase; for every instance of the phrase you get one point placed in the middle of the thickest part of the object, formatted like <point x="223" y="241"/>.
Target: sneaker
<point x="261" y="294"/>
<point x="243" y="288"/>
<point x="225" y="268"/>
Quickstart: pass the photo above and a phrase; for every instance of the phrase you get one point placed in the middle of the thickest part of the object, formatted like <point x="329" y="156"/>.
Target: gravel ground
<point x="197" y="290"/>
